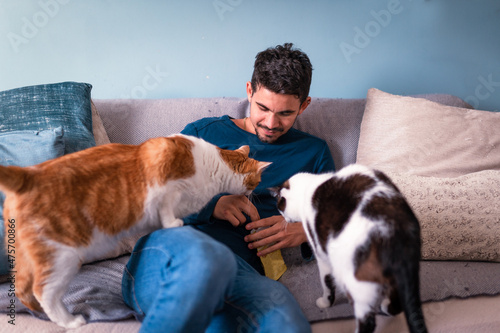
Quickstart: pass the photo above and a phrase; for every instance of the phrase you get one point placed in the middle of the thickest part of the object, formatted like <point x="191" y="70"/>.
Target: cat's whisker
<point x="285" y="225"/>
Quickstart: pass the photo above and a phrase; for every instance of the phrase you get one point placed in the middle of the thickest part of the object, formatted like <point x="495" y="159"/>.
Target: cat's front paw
<point x="75" y="322"/>
<point x="323" y="302"/>
<point x="175" y="223"/>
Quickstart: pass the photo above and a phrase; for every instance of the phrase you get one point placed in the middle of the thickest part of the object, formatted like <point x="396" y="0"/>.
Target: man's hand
<point x="232" y="209"/>
<point x="278" y="234"/>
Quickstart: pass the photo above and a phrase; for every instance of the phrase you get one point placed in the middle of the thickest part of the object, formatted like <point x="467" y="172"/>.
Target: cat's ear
<point x="262" y="165"/>
<point x="245" y="150"/>
<point x="274" y="191"/>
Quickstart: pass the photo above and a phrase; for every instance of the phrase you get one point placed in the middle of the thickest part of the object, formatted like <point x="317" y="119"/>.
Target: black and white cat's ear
<point x="245" y="150"/>
<point x="274" y="191"/>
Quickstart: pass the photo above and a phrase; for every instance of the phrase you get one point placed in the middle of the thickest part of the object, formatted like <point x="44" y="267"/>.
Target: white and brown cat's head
<point x="249" y="169"/>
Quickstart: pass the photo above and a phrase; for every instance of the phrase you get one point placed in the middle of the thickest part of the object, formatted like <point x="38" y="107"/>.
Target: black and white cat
<point x="366" y="240"/>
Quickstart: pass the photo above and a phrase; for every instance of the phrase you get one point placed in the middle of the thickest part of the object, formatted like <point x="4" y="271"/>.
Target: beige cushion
<point x="459" y="217"/>
<point x="100" y="135"/>
<point x="417" y="136"/>
<point x="445" y="160"/>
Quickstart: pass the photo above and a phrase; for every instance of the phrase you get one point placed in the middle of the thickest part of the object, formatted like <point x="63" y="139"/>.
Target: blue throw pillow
<point x="48" y="106"/>
<point x="25" y="148"/>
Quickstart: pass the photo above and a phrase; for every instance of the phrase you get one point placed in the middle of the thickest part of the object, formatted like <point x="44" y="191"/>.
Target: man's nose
<point x="271" y="121"/>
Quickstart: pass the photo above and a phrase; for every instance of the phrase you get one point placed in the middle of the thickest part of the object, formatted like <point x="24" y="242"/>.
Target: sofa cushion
<point x="338" y="120"/>
<point x="25" y="148"/>
<point x="459" y="217"/>
<point x="34" y="118"/>
<point x="417" y="136"/>
<point x="100" y="135"/>
<point x="48" y="106"/>
<point x="443" y="159"/>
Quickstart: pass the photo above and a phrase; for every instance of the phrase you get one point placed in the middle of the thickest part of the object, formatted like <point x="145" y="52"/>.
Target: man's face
<point x="272" y="114"/>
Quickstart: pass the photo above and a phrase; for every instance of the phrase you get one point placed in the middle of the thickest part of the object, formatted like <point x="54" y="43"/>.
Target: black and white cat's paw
<point x="323" y="302"/>
<point x="390" y="307"/>
<point x="328" y="285"/>
<point x="384" y="307"/>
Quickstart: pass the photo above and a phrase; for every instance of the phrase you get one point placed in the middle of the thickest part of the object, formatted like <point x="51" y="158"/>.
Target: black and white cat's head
<point x="294" y="197"/>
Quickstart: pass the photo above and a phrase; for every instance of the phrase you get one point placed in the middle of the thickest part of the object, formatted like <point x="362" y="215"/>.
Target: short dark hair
<point x="283" y="70"/>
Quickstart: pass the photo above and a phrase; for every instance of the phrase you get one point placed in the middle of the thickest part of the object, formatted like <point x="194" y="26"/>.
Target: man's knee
<point x="281" y="310"/>
<point x="197" y="253"/>
<point x="215" y="258"/>
<point x="189" y="249"/>
<point x="267" y="316"/>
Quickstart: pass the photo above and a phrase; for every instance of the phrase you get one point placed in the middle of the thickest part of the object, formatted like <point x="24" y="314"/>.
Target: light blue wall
<point x="204" y="48"/>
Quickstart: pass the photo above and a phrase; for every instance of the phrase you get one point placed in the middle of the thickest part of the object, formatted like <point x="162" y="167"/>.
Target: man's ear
<point x="305" y="104"/>
<point x="249" y="91"/>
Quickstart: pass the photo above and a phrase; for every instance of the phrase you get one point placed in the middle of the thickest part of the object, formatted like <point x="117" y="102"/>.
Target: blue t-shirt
<point x="293" y="152"/>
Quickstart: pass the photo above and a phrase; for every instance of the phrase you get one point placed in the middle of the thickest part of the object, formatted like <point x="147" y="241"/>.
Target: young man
<point x="208" y="276"/>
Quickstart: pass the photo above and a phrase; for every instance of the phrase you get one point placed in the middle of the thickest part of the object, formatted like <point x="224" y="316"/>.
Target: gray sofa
<point x="459" y="295"/>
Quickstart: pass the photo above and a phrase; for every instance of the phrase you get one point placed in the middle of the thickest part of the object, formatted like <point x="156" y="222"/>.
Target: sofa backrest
<point x="337" y="121"/>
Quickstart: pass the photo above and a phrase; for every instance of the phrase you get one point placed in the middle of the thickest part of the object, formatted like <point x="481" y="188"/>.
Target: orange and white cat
<point x="80" y="207"/>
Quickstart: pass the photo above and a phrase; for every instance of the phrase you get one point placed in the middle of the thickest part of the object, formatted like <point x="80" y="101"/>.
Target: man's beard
<point x="265" y="138"/>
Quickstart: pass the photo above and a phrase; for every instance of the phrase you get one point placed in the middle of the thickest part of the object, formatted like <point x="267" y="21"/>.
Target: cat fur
<point x="85" y="206"/>
<point x="366" y="240"/>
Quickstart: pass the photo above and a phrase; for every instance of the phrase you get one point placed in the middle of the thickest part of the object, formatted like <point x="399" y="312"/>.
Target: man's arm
<point x="325" y="161"/>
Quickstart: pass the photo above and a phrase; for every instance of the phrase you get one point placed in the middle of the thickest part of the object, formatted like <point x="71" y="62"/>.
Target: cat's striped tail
<point x="12" y="178"/>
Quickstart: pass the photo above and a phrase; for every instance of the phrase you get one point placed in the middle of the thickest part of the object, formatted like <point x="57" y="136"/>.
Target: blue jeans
<point x="181" y="280"/>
